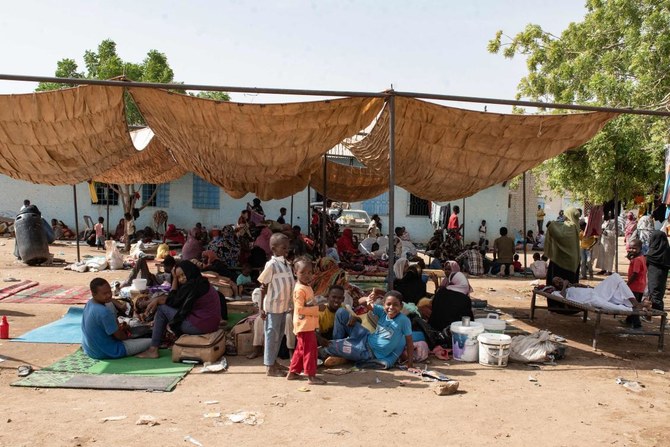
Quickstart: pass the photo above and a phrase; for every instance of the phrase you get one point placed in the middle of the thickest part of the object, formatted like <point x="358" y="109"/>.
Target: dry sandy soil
<point x="576" y="402"/>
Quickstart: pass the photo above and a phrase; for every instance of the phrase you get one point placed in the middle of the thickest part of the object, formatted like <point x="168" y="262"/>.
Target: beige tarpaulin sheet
<point x="153" y="164"/>
<point x="444" y="153"/>
<point x="350" y="183"/>
<point x="63" y="136"/>
<point x="267" y="149"/>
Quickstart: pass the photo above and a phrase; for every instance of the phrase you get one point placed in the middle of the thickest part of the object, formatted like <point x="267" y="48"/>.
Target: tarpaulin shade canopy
<point x="350" y="183"/>
<point x="267" y="149"/>
<point x="153" y="164"/>
<point x="444" y="153"/>
<point x="63" y="136"/>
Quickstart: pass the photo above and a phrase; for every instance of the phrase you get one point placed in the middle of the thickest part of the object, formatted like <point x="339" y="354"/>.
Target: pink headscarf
<point x="263" y="241"/>
<point x="456" y="280"/>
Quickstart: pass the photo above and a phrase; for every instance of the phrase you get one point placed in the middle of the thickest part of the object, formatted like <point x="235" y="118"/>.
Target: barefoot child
<point x="305" y="322"/>
<point x="276" y="291"/>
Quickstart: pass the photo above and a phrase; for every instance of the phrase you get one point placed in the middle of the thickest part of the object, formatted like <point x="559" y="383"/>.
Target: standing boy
<point x="503" y="251"/>
<point x="276" y="294"/>
<point x="100" y="233"/>
<point x="305" y="323"/>
<point x="637" y="277"/>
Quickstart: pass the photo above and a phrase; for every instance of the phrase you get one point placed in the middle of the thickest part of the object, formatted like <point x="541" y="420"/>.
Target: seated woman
<point x="408" y="281"/>
<point x="211" y="263"/>
<point x="454" y="279"/>
<point x="449" y="305"/>
<point x="383" y="347"/>
<point x="192" y="307"/>
<point x="120" y="229"/>
<point x="345" y="243"/>
<point x="263" y="241"/>
<point x="173" y="235"/>
<point x="192" y="249"/>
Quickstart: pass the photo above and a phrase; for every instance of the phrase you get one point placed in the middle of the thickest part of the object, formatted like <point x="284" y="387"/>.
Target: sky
<point x="420" y="46"/>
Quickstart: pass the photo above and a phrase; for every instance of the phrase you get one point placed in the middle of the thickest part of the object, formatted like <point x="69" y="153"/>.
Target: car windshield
<point x="358" y="217"/>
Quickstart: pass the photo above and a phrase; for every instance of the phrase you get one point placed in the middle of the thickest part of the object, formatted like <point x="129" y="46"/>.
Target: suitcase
<point x="200" y="348"/>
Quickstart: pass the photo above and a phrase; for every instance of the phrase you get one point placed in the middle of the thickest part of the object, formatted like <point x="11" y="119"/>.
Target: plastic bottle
<point x="4" y="328"/>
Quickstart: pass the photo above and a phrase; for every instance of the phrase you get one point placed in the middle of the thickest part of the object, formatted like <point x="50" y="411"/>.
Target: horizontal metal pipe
<point x="214" y="88"/>
<point x="542" y="105"/>
<point x="336" y="93"/>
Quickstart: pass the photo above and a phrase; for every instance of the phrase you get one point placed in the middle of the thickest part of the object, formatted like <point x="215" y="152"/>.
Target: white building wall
<point x="57" y="202"/>
<point x="490" y="205"/>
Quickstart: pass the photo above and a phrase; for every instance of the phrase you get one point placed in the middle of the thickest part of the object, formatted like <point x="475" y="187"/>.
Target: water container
<point x="492" y="324"/>
<point x="494" y="349"/>
<point x="31" y="238"/>
<point x="464" y="340"/>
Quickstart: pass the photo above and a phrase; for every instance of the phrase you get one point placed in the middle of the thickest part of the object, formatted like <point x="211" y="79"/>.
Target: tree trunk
<point x="128" y="200"/>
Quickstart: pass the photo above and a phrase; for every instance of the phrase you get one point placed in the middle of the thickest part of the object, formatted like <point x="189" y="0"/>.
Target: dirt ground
<point x="576" y="402"/>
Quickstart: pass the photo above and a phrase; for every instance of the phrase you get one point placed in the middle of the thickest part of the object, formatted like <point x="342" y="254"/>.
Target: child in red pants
<point x="305" y="322"/>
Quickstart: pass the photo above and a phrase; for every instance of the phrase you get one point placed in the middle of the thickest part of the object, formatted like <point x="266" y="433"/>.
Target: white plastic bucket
<point x="464" y="340"/>
<point x="492" y="324"/>
<point x="139" y="284"/>
<point x="494" y="349"/>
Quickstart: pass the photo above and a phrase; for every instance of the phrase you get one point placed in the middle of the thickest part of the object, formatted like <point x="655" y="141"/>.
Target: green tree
<point x="105" y="63"/>
<point x="618" y="56"/>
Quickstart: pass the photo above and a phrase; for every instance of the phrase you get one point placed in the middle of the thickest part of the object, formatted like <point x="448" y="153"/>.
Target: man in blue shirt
<point x="393" y="335"/>
<point x="103" y="337"/>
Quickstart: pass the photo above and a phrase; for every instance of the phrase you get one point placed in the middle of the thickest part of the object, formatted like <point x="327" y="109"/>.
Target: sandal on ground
<point x="25" y="370"/>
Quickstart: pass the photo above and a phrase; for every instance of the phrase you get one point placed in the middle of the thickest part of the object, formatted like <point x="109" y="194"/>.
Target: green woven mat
<point x="78" y="370"/>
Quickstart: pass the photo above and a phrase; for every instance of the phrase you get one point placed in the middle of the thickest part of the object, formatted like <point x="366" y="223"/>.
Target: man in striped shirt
<point x="277" y="284"/>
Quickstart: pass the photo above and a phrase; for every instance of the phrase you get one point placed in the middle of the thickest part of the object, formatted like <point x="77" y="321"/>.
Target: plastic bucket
<point x="464" y="340"/>
<point x="492" y="324"/>
<point x="139" y="284"/>
<point x="494" y="349"/>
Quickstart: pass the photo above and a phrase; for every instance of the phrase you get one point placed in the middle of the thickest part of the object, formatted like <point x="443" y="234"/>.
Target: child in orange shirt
<point x="305" y="323"/>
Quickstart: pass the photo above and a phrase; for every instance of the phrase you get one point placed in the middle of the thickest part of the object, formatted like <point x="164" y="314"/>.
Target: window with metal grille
<point x="162" y="197"/>
<point x="379" y="205"/>
<point x="205" y="195"/>
<point x="106" y="196"/>
<point x="418" y="206"/>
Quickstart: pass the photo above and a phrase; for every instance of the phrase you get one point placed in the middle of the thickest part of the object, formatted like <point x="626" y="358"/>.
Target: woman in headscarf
<point x="561" y="246"/>
<point x="408" y="282"/>
<point x="658" y="264"/>
<point x="263" y="241"/>
<point x="231" y="246"/>
<point x="327" y="273"/>
<point x="192" y="249"/>
<point x="608" y="240"/>
<point x="631" y="226"/>
<point x="174" y="235"/>
<point x="192" y="307"/>
<point x="120" y="228"/>
<point x="645" y="226"/>
<point x="345" y="244"/>
<point x="454" y="279"/>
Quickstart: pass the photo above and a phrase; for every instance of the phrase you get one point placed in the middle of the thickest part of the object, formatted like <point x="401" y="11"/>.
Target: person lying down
<point x="611" y="294"/>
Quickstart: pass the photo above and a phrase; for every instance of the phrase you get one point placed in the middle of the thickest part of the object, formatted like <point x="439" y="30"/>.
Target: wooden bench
<point x="586" y="308"/>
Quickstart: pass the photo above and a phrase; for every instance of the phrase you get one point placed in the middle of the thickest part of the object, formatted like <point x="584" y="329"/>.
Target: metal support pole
<point x="616" y="227"/>
<point x="324" y="214"/>
<point x="463" y="217"/>
<point x="391" y="225"/>
<point x="309" y="214"/>
<point x="292" y="195"/>
<point x="525" y="262"/>
<point x="108" y="195"/>
<point x="76" y="221"/>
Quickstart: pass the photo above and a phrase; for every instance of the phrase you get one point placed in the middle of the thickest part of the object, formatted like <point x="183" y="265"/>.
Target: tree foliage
<point x="105" y="63"/>
<point x="618" y="56"/>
